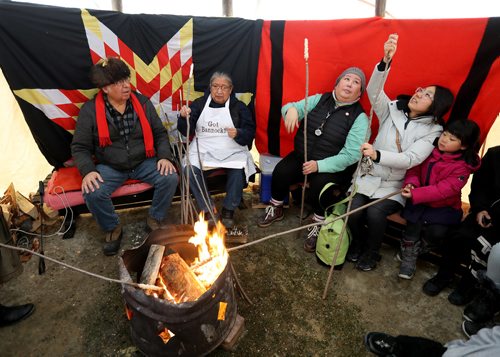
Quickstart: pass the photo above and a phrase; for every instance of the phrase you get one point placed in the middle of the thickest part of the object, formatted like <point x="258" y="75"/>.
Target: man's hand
<point x="232" y="132"/>
<point x="165" y="167"/>
<point x="291" y="119"/>
<point x="185" y="111"/>
<point x="90" y="182"/>
<point x="483" y="218"/>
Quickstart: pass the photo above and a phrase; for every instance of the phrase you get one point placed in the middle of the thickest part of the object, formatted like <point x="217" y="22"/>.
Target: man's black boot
<point x="9" y="315"/>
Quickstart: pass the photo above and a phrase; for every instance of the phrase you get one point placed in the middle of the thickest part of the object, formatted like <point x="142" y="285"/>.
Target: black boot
<point x="465" y="291"/>
<point x="486" y="304"/>
<point x="436" y="284"/>
<point x="9" y="315"/>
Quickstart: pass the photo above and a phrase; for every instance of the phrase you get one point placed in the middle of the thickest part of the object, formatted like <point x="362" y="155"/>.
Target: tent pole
<point x="117" y="5"/>
<point x="380" y="8"/>
<point x="227" y="8"/>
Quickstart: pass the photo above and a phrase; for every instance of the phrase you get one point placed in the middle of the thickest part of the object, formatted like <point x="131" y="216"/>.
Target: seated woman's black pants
<point x="289" y="172"/>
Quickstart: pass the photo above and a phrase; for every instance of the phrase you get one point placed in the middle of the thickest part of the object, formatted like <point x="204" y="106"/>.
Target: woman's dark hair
<point x="443" y="99"/>
<point x="468" y="132"/>
<point x="108" y="71"/>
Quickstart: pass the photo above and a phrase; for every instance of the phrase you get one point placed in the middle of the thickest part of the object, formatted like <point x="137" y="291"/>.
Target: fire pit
<point x="161" y="327"/>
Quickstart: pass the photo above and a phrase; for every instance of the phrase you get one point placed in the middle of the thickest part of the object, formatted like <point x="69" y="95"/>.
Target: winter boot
<point x="227" y="217"/>
<point x="436" y="284"/>
<point x="465" y="291"/>
<point x="409" y="255"/>
<point x="486" y="304"/>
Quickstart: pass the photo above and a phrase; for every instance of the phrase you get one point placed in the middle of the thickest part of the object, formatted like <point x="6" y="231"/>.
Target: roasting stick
<point x="188" y="95"/>
<point x="355" y="176"/>
<point x="43" y="256"/>
<point x="306" y="58"/>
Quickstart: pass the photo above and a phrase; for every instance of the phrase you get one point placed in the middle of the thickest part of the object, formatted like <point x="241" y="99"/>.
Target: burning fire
<point x="203" y="271"/>
<point x="212" y="254"/>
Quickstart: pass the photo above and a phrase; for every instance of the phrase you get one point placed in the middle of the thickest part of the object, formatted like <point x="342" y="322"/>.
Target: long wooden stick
<point x="355" y="176"/>
<point x="306" y="58"/>
<point x="187" y="136"/>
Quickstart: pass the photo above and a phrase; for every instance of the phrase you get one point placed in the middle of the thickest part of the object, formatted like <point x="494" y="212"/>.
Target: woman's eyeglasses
<point x="223" y="88"/>
<point x="424" y="93"/>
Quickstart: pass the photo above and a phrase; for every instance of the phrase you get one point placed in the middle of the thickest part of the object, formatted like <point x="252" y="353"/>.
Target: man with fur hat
<point x="336" y="128"/>
<point x="121" y="130"/>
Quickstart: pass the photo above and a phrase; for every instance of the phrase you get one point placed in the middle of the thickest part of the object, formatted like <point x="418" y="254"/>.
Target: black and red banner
<point x="461" y="54"/>
<point x="47" y="53"/>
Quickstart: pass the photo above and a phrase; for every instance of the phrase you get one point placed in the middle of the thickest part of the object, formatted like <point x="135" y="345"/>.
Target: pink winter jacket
<point x="439" y="180"/>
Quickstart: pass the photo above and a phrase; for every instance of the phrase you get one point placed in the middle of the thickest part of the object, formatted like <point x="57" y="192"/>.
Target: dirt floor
<point x="78" y="315"/>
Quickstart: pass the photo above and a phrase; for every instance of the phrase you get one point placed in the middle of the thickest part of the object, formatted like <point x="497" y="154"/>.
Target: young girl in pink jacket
<point x="433" y="190"/>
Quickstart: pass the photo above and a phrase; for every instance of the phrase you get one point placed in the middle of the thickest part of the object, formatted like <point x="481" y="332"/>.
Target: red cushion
<point x="66" y="177"/>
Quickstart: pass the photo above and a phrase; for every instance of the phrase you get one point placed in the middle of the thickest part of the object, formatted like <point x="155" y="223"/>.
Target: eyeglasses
<point x="424" y="93"/>
<point x="223" y="88"/>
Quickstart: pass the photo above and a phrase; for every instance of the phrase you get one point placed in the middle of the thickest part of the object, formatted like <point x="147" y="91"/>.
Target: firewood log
<point x="179" y="279"/>
<point x="152" y="265"/>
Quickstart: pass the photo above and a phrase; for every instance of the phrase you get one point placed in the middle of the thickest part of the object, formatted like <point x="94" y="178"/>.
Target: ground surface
<point x="78" y="315"/>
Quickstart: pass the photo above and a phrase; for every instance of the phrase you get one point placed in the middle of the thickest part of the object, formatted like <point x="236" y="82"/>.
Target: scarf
<point x="102" y="123"/>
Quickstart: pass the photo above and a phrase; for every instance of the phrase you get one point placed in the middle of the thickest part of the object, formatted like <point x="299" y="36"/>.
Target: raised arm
<point x="380" y="101"/>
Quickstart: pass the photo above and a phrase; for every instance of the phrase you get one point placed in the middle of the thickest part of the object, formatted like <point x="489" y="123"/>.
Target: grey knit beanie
<point x="353" y="70"/>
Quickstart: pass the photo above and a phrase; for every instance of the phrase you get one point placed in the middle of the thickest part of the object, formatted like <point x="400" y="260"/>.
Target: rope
<point x="43" y="256"/>
<point x="347" y="214"/>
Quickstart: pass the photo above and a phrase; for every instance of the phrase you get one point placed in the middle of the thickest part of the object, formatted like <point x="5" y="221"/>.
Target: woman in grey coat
<point x="407" y="130"/>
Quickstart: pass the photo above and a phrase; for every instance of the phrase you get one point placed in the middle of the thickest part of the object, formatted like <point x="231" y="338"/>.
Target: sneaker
<point x="311" y="239"/>
<point x="112" y="241"/>
<point x="381" y="344"/>
<point x="354" y="252"/>
<point x="368" y="261"/>
<point x="471" y="328"/>
<point x="436" y="284"/>
<point x="153" y="224"/>
<point x="227" y="217"/>
<point x="272" y="214"/>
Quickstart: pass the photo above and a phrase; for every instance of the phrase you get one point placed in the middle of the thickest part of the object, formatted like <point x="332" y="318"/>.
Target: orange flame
<point x="212" y="254"/>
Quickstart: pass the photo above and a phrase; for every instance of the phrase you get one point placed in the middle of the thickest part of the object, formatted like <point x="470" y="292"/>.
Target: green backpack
<point x="329" y="234"/>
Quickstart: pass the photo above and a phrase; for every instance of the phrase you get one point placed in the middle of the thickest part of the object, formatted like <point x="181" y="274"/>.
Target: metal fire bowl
<point x="199" y="326"/>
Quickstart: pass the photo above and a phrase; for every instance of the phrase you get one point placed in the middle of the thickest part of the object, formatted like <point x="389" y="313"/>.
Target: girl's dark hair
<point x="443" y="99"/>
<point x="468" y="132"/>
<point x="108" y="71"/>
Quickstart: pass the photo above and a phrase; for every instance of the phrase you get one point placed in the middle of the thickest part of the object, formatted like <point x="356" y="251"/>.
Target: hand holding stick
<point x="390" y="47"/>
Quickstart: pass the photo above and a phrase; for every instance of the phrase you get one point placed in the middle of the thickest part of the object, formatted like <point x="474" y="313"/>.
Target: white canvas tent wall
<point x="22" y="163"/>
